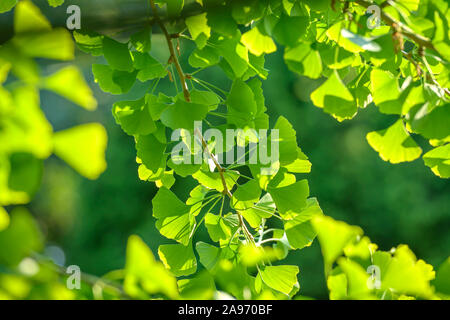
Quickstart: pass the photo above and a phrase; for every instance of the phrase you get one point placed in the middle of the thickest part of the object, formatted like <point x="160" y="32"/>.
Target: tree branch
<point x="173" y="56"/>
<point x="406" y="31"/>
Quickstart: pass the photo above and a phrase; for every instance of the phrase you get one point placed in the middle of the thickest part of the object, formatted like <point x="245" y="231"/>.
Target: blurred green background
<point x="91" y="220"/>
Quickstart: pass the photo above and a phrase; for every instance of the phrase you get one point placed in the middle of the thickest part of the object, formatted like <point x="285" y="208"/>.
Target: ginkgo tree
<point x="255" y="213"/>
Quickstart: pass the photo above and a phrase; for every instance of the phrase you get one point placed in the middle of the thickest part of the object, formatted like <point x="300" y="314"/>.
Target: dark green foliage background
<point x="402" y="203"/>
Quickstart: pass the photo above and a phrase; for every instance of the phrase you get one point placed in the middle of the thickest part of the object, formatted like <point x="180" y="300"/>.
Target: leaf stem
<point x="173" y="56"/>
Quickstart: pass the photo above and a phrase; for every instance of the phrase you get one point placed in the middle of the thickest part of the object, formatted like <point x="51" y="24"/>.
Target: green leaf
<point x="149" y="68"/>
<point x="26" y="125"/>
<point x="56" y="44"/>
<point x="335" y="99"/>
<point x="333" y="236"/>
<point x="280" y="278"/>
<point x="442" y="282"/>
<point x="220" y="228"/>
<point x="69" y="83"/>
<point x="204" y="58"/>
<point x="166" y="180"/>
<point x="28" y="17"/>
<point x="142" y="272"/>
<point x="335" y="34"/>
<point x="21" y="238"/>
<point x="134" y="117"/>
<point x="220" y="20"/>
<point x="83" y="148"/>
<point x="211" y="255"/>
<point x="299" y="231"/>
<point x="89" y="42"/>
<point x="199" y="29"/>
<point x="174" y="7"/>
<point x="246" y="195"/>
<point x="289" y="30"/>
<point x="263" y="209"/>
<point x="182" y="114"/>
<point x="287" y="141"/>
<point x="117" y="55"/>
<point x="178" y="259"/>
<point x="174" y="220"/>
<point x="438" y="159"/>
<point x="385" y="92"/>
<point x="241" y="104"/>
<point x="25" y="173"/>
<point x="290" y="200"/>
<point x="113" y="81"/>
<point x="55" y="3"/>
<point x="7" y="5"/>
<point x="394" y="144"/>
<point x="405" y="274"/>
<point x="304" y="60"/>
<point x="4" y="219"/>
<point x="200" y="287"/>
<point x="365" y="44"/>
<point x="258" y="43"/>
<point x="235" y="55"/>
<point x="300" y="165"/>
<point x="357" y="278"/>
<point x="432" y="124"/>
<point x="251" y="255"/>
<point x="142" y="40"/>
<point x="212" y="180"/>
<point x="151" y="151"/>
<point x="207" y="98"/>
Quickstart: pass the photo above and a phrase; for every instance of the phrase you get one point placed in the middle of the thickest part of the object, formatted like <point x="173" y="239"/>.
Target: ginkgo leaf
<point x="54" y="44"/>
<point x="287" y="141"/>
<point x="134" y="117"/>
<point x="28" y="17"/>
<point x="151" y="151"/>
<point x="199" y="29"/>
<point x="219" y="228"/>
<point x="290" y="200"/>
<point x="4" y="219"/>
<point x="117" y="55"/>
<point x="258" y="43"/>
<point x="394" y="144"/>
<point x="304" y="60"/>
<point x="213" y="180"/>
<point x="182" y="114"/>
<point x="299" y="231"/>
<point x="283" y="30"/>
<point x="405" y="274"/>
<point x="7" y="5"/>
<point x="178" y="259"/>
<point x="203" y="58"/>
<point x="438" y="159"/>
<point x="83" y="147"/>
<point x="433" y="124"/>
<point x="174" y="218"/>
<point x="20" y="238"/>
<point x="149" y="68"/>
<point x="235" y="55"/>
<point x="333" y="236"/>
<point x="385" y="91"/>
<point x="143" y="272"/>
<point x="113" y="81"/>
<point x="335" y="99"/>
<point x="280" y="278"/>
<point x="89" y="42"/>
<point x="142" y="40"/>
<point x="69" y="83"/>
<point x="241" y="104"/>
<point x="246" y="195"/>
